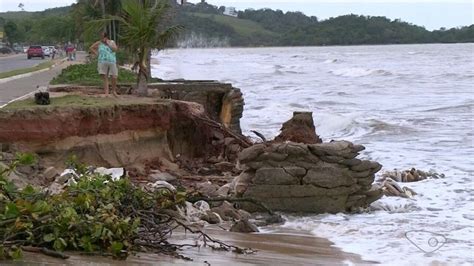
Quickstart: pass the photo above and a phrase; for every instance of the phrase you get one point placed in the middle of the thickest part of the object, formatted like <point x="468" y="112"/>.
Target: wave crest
<point x="355" y="72"/>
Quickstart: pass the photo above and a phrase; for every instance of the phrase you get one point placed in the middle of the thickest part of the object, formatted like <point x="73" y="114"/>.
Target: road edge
<point x="4" y="80"/>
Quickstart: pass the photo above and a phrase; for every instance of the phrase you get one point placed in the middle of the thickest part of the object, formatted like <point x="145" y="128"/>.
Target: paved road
<point x="16" y="88"/>
<point x="19" y="61"/>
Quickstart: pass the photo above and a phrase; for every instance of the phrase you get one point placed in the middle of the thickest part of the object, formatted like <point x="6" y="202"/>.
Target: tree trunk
<point x="102" y="7"/>
<point x="142" y="88"/>
<point x="148" y="64"/>
<point x="143" y="72"/>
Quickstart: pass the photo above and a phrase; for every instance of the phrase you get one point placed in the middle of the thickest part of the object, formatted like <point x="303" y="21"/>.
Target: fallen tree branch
<point x="243" y="141"/>
<point x="230" y="199"/>
<point x="222" y="245"/>
<point x="45" y="251"/>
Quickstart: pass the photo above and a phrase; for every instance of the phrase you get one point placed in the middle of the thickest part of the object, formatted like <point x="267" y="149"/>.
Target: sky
<point x="432" y="14"/>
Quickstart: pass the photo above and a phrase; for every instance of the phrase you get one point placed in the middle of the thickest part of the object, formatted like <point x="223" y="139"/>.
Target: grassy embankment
<point x="20" y="71"/>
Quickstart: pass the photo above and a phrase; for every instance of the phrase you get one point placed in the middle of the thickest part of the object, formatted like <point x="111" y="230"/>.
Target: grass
<point x="77" y="101"/>
<point x="241" y="26"/>
<point x="20" y="71"/>
<point x="68" y="100"/>
<point x="87" y="75"/>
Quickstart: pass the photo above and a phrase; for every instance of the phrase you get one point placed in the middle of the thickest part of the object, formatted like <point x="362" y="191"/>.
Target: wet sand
<point x="281" y="248"/>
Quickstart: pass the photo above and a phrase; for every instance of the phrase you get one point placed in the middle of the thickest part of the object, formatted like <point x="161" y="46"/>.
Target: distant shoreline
<point x="308" y="46"/>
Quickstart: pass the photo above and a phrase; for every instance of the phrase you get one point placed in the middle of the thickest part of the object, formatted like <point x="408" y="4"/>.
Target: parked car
<point x="47" y="51"/>
<point x="35" y="51"/>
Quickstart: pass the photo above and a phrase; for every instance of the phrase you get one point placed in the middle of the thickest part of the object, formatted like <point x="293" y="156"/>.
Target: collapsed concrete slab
<point x="316" y="178"/>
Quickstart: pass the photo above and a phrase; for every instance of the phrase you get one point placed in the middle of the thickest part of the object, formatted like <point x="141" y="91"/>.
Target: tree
<point x="140" y="33"/>
<point x="12" y="32"/>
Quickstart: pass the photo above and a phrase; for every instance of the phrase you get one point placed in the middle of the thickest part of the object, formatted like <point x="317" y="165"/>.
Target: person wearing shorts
<point x="107" y="62"/>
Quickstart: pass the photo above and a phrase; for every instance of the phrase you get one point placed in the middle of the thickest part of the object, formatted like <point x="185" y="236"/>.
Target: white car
<point x="46" y="51"/>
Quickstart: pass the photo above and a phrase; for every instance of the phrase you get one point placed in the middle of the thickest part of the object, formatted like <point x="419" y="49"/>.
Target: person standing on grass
<point x="107" y="62"/>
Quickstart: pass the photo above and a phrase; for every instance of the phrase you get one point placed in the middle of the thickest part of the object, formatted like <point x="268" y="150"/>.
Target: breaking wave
<point x="355" y="72"/>
<point x="328" y="61"/>
<point x="468" y="107"/>
<point x="195" y="40"/>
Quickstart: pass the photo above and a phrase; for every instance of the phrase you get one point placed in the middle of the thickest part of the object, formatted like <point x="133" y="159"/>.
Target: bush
<point x="86" y="74"/>
<point x="96" y="216"/>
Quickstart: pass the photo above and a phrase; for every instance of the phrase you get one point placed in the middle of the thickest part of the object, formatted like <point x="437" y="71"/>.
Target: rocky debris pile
<point x="391" y="188"/>
<point x="300" y="128"/>
<point x="316" y="178"/>
<point x="412" y="175"/>
<point x="388" y="181"/>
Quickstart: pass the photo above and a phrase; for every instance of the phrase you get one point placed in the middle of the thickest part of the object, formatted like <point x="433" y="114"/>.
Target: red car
<point x="35" y="51"/>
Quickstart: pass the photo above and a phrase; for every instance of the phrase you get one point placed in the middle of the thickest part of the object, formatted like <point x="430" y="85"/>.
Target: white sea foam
<point x="328" y="61"/>
<point x="354" y="72"/>
<point x="406" y="112"/>
<point x="378" y="234"/>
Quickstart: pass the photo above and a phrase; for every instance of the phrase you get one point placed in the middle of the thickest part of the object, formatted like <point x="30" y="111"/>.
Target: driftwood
<point x="221" y="245"/>
<point x="229" y="199"/>
<point x="244" y="142"/>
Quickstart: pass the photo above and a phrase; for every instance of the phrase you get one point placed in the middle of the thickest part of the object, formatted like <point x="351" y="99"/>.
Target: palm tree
<point x="140" y="33"/>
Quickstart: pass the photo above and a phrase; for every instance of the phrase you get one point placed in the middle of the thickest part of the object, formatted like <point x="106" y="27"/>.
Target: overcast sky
<point x="430" y="14"/>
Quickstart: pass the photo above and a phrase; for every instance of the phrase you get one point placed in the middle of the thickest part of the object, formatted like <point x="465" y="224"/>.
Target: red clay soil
<point x="187" y="129"/>
<point x="300" y="128"/>
<point x="55" y="123"/>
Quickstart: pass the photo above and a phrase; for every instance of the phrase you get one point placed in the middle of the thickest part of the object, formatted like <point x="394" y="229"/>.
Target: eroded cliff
<point x="118" y="132"/>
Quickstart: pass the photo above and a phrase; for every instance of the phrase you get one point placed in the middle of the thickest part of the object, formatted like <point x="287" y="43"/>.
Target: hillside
<point x="18" y="15"/>
<point x="243" y="27"/>
<point x="263" y="27"/>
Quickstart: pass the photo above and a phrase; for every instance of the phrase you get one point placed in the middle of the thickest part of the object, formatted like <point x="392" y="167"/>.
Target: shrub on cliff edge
<point x="86" y="74"/>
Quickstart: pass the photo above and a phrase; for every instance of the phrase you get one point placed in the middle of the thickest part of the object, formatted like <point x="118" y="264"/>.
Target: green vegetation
<point x="15" y="72"/>
<point x="86" y="74"/>
<point x="94" y="215"/>
<point x="242" y="27"/>
<point x="49" y="27"/>
<point x="277" y="28"/>
<point x="263" y="27"/>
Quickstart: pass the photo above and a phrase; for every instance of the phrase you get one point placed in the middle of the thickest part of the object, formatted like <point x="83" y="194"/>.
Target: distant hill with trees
<point x="263" y="27"/>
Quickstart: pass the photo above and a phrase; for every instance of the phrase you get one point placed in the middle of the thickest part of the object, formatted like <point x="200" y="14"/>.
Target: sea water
<point x="409" y="105"/>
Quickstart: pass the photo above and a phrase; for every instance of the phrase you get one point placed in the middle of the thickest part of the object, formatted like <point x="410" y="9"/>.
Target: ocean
<point x="409" y="105"/>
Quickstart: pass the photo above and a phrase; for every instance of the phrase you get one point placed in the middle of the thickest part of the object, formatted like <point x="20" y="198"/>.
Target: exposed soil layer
<point x="222" y="102"/>
<point x="120" y="132"/>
